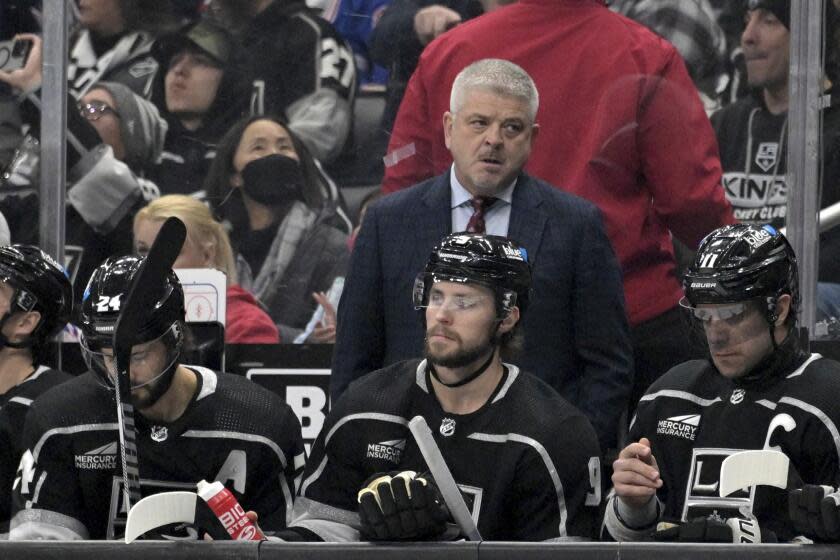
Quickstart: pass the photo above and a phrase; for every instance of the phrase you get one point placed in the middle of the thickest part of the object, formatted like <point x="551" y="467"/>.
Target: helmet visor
<point x="423" y="295"/>
<point x="149" y="360"/>
<point x="731" y="312"/>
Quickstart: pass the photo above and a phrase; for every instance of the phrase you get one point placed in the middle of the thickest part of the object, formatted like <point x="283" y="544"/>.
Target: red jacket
<point x="247" y="323"/>
<point x="621" y="124"/>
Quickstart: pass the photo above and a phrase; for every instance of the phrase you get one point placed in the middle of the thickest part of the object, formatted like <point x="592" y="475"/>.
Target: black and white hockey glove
<point x="815" y="512"/>
<point x="714" y="529"/>
<point x="401" y="506"/>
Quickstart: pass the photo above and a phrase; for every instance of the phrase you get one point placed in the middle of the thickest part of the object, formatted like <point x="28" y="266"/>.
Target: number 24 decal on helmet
<point x="107" y="303"/>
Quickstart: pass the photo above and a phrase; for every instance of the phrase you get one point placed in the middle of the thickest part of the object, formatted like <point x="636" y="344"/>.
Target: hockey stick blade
<point x="443" y="477"/>
<point x="148" y="279"/>
<point x="755" y="467"/>
<point x="159" y="510"/>
<point x="150" y="275"/>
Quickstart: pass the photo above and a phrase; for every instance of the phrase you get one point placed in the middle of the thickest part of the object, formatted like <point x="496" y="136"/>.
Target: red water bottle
<point x="227" y="508"/>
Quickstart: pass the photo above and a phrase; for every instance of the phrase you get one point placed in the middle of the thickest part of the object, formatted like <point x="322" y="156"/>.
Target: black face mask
<point x="273" y="180"/>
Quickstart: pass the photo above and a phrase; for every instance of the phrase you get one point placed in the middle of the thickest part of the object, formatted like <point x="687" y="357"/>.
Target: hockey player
<point x="758" y="390"/>
<point x="526" y="461"/>
<point x="36" y="300"/>
<point x="192" y="424"/>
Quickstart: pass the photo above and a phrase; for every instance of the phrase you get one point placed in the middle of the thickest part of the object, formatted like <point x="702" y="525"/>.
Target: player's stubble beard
<point x="462" y="356"/>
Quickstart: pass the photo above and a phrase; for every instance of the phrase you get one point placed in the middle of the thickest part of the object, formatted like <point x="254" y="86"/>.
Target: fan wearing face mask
<point x="283" y="224"/>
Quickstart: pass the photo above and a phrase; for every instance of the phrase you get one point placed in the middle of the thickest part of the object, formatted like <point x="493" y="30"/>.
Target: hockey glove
<point x="714" y="529"/>
<point x="815" y="511"/>
<point x="401" y="506"/>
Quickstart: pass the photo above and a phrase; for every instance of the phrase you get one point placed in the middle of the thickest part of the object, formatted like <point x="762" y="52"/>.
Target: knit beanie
<point x="779" y="8"/>
<point x="142" y="128"/>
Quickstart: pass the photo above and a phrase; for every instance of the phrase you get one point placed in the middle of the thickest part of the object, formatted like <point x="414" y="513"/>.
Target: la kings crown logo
<point x="766" y="155"/>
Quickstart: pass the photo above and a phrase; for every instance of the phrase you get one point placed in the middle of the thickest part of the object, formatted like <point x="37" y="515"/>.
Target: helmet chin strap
<point x="5" y="342"/>
<point x="164" y="382"/>
<point x="468" y="378"/>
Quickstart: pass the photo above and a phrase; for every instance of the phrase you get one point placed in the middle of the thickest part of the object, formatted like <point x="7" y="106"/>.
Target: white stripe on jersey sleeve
<point x="822" y="416"/>
<point x="349" y="418"/>
<point x="549" y="465"/>
<point x="674" y="394"/>
<point x="71" y="430"/>
<point x="42" y="524"/>
<point x="330" y="523"/>
<point x="365" y="416"/>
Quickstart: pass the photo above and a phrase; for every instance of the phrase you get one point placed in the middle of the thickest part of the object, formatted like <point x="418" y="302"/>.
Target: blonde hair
<point x="202" y="229"/>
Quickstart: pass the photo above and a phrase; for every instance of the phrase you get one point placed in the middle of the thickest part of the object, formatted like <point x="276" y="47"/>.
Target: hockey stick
<point x="148" y="279"/>
<point x="443" y="477"/>
<point x="755" y="467"/>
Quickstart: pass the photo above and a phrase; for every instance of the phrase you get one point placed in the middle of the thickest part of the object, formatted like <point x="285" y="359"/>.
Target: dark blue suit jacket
<point x="576" y="334"/>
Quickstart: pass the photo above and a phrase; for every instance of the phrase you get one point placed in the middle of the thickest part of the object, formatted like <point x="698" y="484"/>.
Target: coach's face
<point x="490" y="138"/>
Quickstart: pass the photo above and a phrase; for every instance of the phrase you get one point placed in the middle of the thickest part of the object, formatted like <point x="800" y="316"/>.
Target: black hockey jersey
<point x="14" y="404"/>
<point x="527" y="462"/>
<point x="695" y="418"/>
<point x="69" y="481"/>
<point x="303" y="69"/>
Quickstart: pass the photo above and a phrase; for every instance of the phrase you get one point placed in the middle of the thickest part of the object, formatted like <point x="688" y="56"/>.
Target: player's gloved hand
<point x="714" y="529"/>
<point x="401" y="506"/>
<point x="815" y="511"/>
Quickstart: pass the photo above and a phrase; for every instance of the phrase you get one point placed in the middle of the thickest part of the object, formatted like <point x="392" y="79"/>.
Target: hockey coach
<point x="526" y="462"/>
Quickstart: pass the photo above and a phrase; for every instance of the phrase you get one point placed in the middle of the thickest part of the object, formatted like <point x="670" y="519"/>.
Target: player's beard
<point x="465" y="355"/>
<point x="145" y="396"/>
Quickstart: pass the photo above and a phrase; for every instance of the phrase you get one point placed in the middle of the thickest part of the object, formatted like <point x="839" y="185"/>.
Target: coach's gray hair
<point x="498" y="76"/>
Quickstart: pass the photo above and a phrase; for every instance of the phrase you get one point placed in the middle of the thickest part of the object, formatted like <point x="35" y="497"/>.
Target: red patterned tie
<point x="480" y="205"/>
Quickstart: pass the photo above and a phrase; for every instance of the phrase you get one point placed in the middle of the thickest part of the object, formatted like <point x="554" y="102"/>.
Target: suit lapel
<point x="435" y="215"/>
<point x="527" y="218"/>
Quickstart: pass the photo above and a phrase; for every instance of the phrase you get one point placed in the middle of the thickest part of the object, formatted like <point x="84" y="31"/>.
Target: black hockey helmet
<point x="743" y="262"/>
<point x="164" y="320"/>
<point x="103" y="295"/>
<point x="490" y="260"/>
<point x="40" y="284"/>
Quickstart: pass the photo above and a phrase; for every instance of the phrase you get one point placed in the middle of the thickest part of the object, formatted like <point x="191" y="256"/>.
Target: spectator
<point x="265" y="184"/>
<point x="617" y="102"/>
<point x="200" y="93"/>
<point x="527" y="460"/>
<point x="752" y="135"/>
<point x="576" y="333"/>
<point x="113" y="43"/>
<point x="355" y="20"/>
<point x="191" y="424"/>
<point x="689" y="25"/>
<point x="36" y="301"/>
<point x="759" y="390"/>
<point x="730" y="15"/>
<point x="403" y="31"/>
<point x="113" y="134"/>
<point x="207" y="246"/>
<point x="16" y="16"/>
<point x="300" y="68"/>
